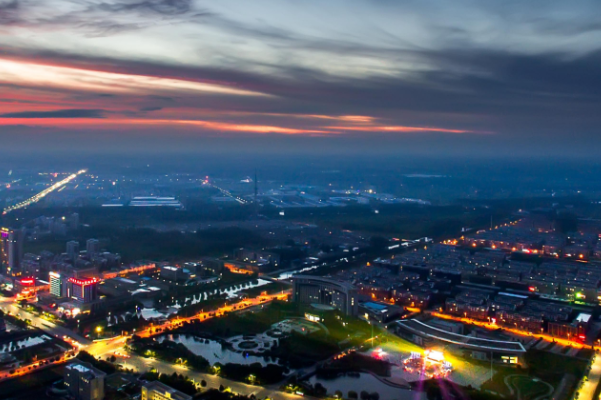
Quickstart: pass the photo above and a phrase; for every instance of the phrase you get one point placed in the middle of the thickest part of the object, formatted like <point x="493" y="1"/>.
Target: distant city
<point x="173" y="286"/>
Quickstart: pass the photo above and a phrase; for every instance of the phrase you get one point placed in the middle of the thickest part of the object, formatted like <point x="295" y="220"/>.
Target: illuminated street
<point x="145" y="364"/>
<point x="548" y="338"/>
<point x="587" y="391"/>
<point x="103" y="348"/>
<point x="43" y="193"/>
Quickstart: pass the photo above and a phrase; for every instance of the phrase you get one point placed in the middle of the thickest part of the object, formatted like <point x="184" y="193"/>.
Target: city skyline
<point x="358" y="76"/>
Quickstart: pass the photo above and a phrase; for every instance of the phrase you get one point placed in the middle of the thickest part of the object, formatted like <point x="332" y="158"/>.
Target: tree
<point x="378" y="242"/>
<point x="203" y="383"/>
<point x="352" y="394"/>
<point x="319" y="389"/>
<point x="221" y="388"/>
<point x="566" y="222"/>
<point x="364" y="395"/>
<point x="433" y="393"/>
<point x="375" y="396"/>
<point x="338" y="394"/>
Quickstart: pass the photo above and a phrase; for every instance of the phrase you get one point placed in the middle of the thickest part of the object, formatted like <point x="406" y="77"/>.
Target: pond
<point x="368" y="383"/>
<point x="214" y="352"/>
<point x="290" y="274"/>
<point x="24" y="343"/>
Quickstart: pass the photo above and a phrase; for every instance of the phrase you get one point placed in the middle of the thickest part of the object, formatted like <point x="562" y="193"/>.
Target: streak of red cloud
<point x="209" y="125"/>
<point x="223" y="126"/>
<point x="345" y="118"/>
<point x="399" y="128"/>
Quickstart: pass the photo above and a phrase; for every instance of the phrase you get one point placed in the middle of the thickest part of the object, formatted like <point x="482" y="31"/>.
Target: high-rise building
<point x="4" y="232"/>
<point x="82" y="289"/>
<point x="84" y="382"/>
<point x="56" y="284"/>
<point x="13" y="249"/>
<point x="92" y="247"/>
<point x="74" y="221"/>
<point x="73" y="250"/>
<point x="159" y="391"/>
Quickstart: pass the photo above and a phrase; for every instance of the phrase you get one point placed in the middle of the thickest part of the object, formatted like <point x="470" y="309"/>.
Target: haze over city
<point x="286" y="200"/>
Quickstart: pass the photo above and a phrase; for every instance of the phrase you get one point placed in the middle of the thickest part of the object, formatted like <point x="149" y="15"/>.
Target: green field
<point x="542" y="368"/>
<point x="527" y="387"/>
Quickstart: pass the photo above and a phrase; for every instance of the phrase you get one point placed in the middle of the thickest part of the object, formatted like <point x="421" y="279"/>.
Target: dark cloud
<point x="575" y="28"/>
<point x="9" y="12"/>
<point x="161" y="7"/>
<point x="478" y="89"/>
<point x="97" y="19"/>
<point x="149" y="109"/>
<point x="74" y="113"/>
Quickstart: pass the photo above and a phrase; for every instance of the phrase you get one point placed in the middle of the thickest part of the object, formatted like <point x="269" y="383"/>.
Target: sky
<point x="437" y="77"/>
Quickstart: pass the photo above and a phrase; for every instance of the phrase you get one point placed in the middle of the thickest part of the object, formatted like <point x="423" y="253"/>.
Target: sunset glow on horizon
<point x="401" y="71"/>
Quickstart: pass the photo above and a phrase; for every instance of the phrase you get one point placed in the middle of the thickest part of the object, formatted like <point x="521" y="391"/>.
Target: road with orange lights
<point x="129" y="360"/>
<point x="132" y="270"/>
<point x="116" y="345"/>
<point x="110" y="346"/>
<point x="35" y="366"/>
<point x="491" y="326"/>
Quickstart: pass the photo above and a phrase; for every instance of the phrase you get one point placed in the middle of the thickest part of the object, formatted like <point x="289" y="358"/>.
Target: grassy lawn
<point x="497" y="384"/>
<point x="393" y="343"/>
<point x="528" y="387"/>
<point x="551" y="367"/>
<point x="543" y="366"/>
<point x="248" y="323"/>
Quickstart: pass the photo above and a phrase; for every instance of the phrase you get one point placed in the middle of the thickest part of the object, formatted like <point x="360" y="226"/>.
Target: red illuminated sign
<point x="532" y="288"/>
<point x="83" y="282"/>
<point x="27" y="281"/>
<point x="582" y="337"/>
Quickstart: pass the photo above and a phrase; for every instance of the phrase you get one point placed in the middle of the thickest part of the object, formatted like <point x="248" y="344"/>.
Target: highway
<point x="43" y="193"/>
<point x="227" y="193"/>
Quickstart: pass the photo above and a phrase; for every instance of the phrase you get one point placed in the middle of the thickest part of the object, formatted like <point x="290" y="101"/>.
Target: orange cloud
<point x="30" y="74"/>
<point x="208" y="125"/>
<point x="224" y="126"/>
<point x="399" y="128"/>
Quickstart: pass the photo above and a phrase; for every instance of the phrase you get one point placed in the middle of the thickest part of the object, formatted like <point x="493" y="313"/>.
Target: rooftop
<point x="164" y="389"/>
